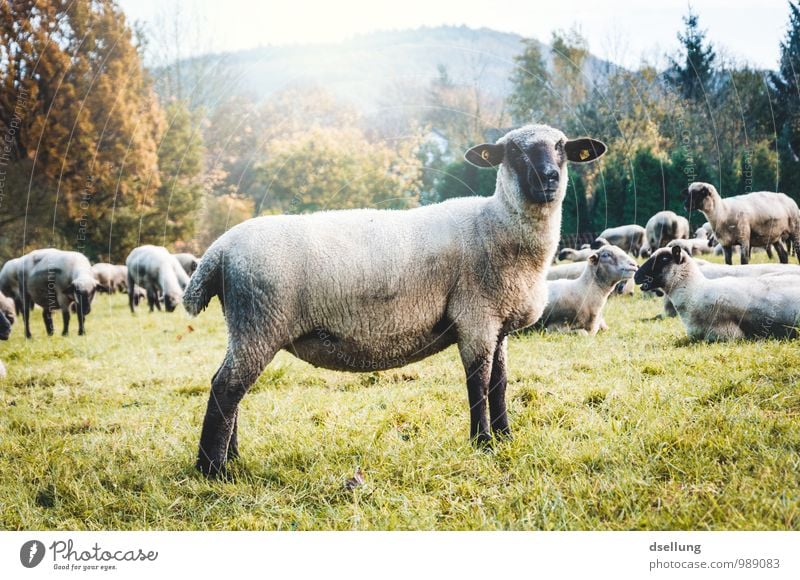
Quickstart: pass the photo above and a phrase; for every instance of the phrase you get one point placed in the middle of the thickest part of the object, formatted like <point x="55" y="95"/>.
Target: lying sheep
<point x="693" y="246"/>
<point x="723" y="308"/>
<point x="159" y="274"/>
<point x="661" y="229"/>
<point x="366" y="290"/>
<point x="188" y="262"/>
<point x="566" y="271"/>
<point x="577" y="305"/>
<point x="57" y="280"/>
<point x="9" y="282"/>
<point x="628" y="237"/>
<point x="581" y="255"/>
<point x="761" y="218"/>
<point x="110" y="278"/>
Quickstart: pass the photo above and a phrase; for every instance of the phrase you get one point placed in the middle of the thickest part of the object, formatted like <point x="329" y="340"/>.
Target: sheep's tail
<point x="205" y="283"/>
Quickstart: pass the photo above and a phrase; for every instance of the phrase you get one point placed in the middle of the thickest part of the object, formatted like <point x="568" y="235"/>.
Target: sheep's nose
<point x="550" y="174"/>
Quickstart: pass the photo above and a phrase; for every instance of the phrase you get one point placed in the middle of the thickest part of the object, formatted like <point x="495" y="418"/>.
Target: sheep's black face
<point x="5" y="327"/>
<point x="652" y="275"/>
<point x="84" y="301"/>
<point x="536" y="157"/>
<point x="694" y="197"/>
<point x="171" y="302"/>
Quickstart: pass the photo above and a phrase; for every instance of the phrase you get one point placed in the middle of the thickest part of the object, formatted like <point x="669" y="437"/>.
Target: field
<point x="635" y="429"/>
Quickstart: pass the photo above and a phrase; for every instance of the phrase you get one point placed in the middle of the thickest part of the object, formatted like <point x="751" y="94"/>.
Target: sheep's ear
<point x="677" y="254"/>
<point x="486" y="155"/>
<point x="593" y="259"/>
<point x="584" y="149"/>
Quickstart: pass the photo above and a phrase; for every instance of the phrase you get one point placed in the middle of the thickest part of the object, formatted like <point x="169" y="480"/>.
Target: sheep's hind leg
<point x="233" y="379"/>
<point x="48" y="321"/>
<point x="783" y="256"/>
<point x="497" y="392"/>
<point x="65" y="319"/>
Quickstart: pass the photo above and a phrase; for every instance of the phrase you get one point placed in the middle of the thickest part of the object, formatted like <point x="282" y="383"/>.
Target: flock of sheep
<point x="367" y="290"/>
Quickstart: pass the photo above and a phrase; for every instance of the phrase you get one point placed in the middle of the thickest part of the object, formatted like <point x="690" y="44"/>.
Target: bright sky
<point x="622" y="30"/>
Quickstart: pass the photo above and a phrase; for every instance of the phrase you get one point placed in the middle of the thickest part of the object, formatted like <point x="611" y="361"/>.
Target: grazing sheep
<point x="761" y="218"/>
<point x="577" y="305"/>
<point x="188" y="262"/>
<point x="581" y="255"/>
<point x="628" y="237"/>
<point x="723" y="308"/>
<point x="57" y="280"/>
<point x="365" y="290"/>
<point x="9" y="282"/>
<point x="111" y="278"/>
<point x="159" y="274"/>
<point x="661" y="229"/>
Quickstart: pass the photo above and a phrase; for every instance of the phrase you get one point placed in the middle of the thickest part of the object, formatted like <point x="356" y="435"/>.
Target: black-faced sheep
<point x="159" y="274"/>
<point x="628" y="237"/>
<point x="110" y="277"/>
<point x="761" y="218"/>
<point x="9" y="282"/>
<point x="188" y="262"/>
<point x="57" y="280"/>
<point x="577" y="305"/>
<point x="723" y="308"/>
<point x="364" y="290"/>
<point x="661" y="229"/>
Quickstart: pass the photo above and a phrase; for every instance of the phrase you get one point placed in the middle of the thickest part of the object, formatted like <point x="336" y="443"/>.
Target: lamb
<point x="188" y="262"/>
<point x="9" y="282"/>
<point x="661" y="229"/>
<point x="111" y="278"/>
<point x="577" y="305"/>
<point x="57" y="280"/>
<point x="581" y="255"/>
<point x="761" y="218"/>
<point x="724" y="308"/>
<point x="628" y="237"/>
<point x="159" y="273"/>
<point x="366" y="290"/>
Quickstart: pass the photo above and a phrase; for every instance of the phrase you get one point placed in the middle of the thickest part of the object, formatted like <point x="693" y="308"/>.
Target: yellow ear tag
<point x="485" y="155"/>
<point x="584" y="154"/>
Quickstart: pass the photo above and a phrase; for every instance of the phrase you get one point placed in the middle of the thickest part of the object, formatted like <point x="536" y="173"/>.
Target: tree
<point x="531" y="95"/>
<point x="570" y="51"/>
<point x="692" y="71"/>
<point x="786" y="84"/>
<point x="335" y="169"/>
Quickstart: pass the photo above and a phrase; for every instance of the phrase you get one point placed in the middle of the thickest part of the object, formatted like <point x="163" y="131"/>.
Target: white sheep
<point x="581" y="255"/>
<point x="629" y="237"/>
<point x="110" y="277"/>
<point x="188" y="262"/>
<point x="9" y="282"/>
<point x="577" y="305"/>
<point x="159" y="274"/>
<point x="7" y="317"/>
<point x="566" y="271"/>
<point x="723" y="308"/>
<point x="760" y="218"/>
<point x="364" y="290"/>
<point x="57" y="280"/>
<point x="661" y="229"/>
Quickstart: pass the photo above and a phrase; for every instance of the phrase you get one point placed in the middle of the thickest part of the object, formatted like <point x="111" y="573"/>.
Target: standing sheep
<point x="628" y="237"/>
<point x="761" y="218"/>
<point x="159" y="273"/>
<point x="188" y="262"/>
<point x="661" y="229"/>
<point x="9" y="282"/>
<point x="577" y="305"/>
<point x="366" y="290"/>
<point x="57" y="280"/>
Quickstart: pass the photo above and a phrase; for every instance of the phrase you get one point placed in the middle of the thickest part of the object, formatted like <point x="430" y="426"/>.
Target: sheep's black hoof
<point x="483" y="442"/>
<point x="211" y="470"/>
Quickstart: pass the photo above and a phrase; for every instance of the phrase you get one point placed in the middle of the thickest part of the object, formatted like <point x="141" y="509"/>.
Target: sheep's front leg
<point x="477" y="359"/>
<point x="26" y="316"/>
<point x="728" y="251"/>
<point x="744" y="253"/>
<point x="65" y="318"/>
<point x="783" y="255"/>
<point x="48" y="321"/>
<point x="497" y="391"/>
<point x="81" y="319"/>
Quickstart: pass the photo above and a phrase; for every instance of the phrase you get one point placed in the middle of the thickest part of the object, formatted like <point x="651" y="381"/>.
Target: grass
<point x="637" y="428"/>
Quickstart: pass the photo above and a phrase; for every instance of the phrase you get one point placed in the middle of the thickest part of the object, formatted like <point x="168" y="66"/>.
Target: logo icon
<point x="31" y="553"/>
